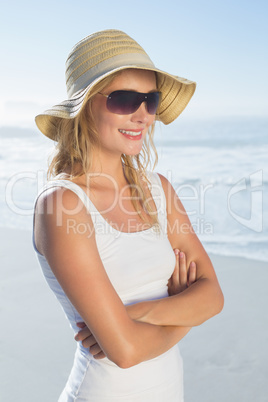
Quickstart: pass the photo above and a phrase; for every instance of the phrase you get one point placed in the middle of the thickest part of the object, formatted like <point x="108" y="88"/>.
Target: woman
<point x="105" y="228"/>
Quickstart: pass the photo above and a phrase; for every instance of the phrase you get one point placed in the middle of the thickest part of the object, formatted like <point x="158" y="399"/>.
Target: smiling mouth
<point x="129" y="133"/>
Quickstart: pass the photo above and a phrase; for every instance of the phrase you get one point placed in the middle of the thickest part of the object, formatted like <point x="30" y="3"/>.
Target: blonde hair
<point x="77" y="138"/>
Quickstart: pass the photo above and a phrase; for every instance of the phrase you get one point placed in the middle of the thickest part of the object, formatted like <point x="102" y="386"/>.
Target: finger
<point x="192" y="273"/>
<point x="170" y="287"/>
<point x="80" y="324"/>
<point x="83" y="334"/>
<point x="95" y="349"/>
<point x="100" y="355"/>
<point x="182" y="270"/>
<point x="175" y="276"/>
<point x="89" y="342"/>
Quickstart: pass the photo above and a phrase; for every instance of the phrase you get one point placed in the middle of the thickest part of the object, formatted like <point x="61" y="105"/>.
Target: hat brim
<point x="176" y="93"/>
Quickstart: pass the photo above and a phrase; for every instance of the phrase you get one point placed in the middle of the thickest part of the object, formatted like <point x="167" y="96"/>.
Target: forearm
<point x="189" y="308"/>
<point x="146" y="342"/>
<point x="155" y="340"/>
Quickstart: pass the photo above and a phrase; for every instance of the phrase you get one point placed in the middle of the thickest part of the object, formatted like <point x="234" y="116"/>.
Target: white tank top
<point x="139" y="265"/>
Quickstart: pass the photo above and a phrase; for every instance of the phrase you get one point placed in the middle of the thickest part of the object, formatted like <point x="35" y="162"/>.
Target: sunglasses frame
<point x="140" y="98"/>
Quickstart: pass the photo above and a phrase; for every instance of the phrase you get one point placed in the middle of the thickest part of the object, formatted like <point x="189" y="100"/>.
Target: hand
<point x="88" y="341"/>
<point x="181" y="277"/>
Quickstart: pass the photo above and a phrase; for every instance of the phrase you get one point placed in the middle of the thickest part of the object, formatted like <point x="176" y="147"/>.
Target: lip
<point x="132" y="137"/>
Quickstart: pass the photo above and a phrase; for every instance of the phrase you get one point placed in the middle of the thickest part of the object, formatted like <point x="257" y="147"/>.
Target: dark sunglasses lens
<point x="152" y="102"/>
<point x="121" y="102"/>
<point x="127" y="102"/>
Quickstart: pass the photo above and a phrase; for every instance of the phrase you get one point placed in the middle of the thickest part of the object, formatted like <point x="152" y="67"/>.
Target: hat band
<point x="119" y="62"/>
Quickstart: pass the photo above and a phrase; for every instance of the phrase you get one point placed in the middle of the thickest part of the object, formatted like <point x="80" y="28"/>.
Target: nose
<point x="141" y="114"/>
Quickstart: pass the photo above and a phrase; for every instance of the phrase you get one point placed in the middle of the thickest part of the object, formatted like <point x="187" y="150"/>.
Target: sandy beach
<point x="225" y="359"/>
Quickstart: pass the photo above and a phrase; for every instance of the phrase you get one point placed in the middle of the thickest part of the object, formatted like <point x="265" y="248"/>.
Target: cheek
<point x="109" y="121"/>
<point x="108" y="124"/>
<point x="152" y="119"/>
<point x="101" y="118"/>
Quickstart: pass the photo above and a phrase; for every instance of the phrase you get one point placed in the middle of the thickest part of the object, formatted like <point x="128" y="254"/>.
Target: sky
<point x="222" y="45"/>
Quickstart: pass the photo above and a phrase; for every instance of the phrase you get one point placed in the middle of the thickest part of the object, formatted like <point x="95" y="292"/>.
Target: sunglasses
<point x="127" y="102"/>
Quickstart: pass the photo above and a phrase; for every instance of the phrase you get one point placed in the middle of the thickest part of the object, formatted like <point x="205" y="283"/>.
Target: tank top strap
<point x="76" y="189"/>
<point x="159" y="198"/>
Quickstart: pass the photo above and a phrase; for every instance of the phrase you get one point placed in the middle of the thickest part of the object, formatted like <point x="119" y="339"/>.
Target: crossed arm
<point x="138" y="333"/>
<point x="183" y="277"/>
<point x="196" y="303"/>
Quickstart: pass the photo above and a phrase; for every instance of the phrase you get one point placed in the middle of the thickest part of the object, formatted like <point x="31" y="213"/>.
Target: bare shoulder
<point x="59" y="212"/>
<point x="59" y="197"/>
<point x="167" y="186"/>
<point x="180" y="230"/>
<point x="174" y="204"/>
<point x="163" y="179"/>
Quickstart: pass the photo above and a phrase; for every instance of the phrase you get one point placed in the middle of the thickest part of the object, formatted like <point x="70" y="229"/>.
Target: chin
<point x="133" y="152"/>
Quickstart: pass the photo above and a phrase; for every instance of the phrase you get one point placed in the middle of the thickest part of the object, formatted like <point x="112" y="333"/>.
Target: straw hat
<point x="96" y="57"/>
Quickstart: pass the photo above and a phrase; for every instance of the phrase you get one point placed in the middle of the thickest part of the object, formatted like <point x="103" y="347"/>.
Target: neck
<point x="107" y="171"/>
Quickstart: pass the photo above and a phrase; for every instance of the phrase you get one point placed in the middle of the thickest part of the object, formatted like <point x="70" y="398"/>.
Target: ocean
<point x="218" y="167"/>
